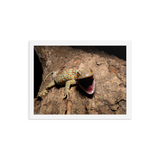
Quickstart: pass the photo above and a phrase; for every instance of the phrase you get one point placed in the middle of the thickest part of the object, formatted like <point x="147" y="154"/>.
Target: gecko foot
<point x="42" y="93"/>
<point x="67" y="94"/>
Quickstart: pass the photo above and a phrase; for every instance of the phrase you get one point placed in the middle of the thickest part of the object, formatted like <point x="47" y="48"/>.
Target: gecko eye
<point x="78" y="73"/>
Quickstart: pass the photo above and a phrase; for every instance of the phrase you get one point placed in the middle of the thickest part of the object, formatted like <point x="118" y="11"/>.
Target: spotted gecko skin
<point x="67" y="77"/>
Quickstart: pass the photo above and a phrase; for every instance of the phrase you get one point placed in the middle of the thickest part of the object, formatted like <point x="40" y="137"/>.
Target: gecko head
<point x="85" y="79"/>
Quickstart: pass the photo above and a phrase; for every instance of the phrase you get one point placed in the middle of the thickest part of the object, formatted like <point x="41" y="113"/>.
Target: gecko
<point x="84" y="78"/>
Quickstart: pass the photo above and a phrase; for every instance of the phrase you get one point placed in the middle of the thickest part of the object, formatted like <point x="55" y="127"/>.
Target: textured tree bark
<point x="110" y="81"/>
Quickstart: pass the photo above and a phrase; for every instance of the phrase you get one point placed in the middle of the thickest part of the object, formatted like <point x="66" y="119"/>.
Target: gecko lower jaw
<point x="87" y="84"/>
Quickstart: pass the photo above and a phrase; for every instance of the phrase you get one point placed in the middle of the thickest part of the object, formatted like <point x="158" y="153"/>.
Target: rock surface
<point x="110" y="79"/>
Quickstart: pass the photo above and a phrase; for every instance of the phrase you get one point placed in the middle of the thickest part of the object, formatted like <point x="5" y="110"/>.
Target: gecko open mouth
<point x="87" y="84"/>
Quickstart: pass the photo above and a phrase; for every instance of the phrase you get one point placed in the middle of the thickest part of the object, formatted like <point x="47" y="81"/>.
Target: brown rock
<point x="110" y="79"/>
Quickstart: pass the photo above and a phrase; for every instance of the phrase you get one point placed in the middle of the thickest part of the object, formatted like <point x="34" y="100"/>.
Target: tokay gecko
<point x="84" y="78"/>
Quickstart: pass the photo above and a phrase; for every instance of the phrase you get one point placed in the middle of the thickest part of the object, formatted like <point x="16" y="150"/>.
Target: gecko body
<point x="84" y="78"/>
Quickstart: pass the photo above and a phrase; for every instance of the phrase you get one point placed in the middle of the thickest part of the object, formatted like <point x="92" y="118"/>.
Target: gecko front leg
<point x="67" y="86"/>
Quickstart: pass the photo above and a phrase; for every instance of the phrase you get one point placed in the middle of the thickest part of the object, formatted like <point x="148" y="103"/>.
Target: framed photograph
<point x="80" y="79"/>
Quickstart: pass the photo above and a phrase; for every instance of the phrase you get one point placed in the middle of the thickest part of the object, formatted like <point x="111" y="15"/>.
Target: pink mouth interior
<point x="87" y="84"/>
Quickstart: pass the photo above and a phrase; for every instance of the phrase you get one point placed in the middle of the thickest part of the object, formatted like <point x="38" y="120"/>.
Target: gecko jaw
<point x="87" y="84"/>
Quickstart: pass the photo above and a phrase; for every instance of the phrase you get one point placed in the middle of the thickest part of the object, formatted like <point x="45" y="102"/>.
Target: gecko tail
<point x="54" y="75"/>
